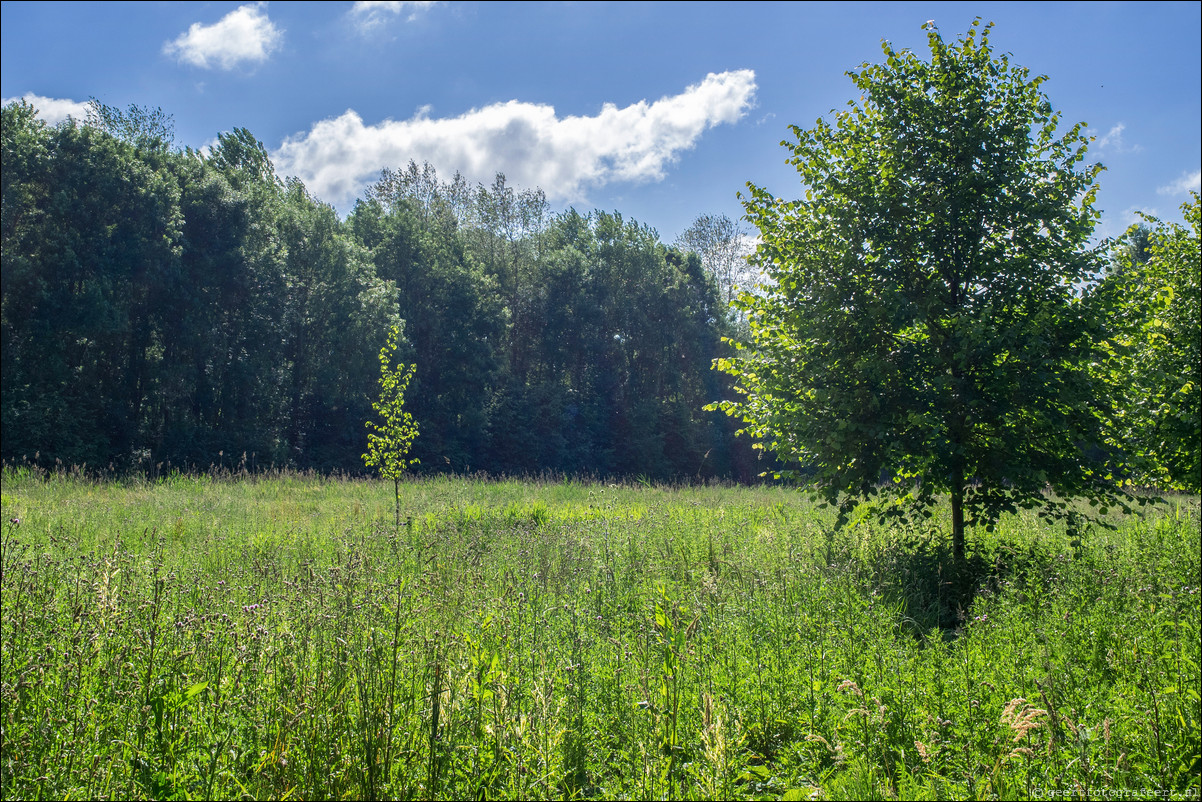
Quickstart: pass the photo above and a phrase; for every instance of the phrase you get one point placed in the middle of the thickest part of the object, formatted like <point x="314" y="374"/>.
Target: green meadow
<point x="278" y="637"/>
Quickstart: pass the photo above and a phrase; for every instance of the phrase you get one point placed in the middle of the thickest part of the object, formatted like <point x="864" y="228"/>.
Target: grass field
<point x="278" y="637"/>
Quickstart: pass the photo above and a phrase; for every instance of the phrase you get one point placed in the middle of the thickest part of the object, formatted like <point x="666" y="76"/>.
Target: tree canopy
<point x="1151" y="300"/>
<point x="922" y="331"/>
<point x="165" y="308"/>
<point x="723" y="246"/>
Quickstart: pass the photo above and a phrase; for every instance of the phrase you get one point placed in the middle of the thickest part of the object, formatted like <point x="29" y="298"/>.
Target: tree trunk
<point x="958" y="516"/>
<point x="396" y="497"/>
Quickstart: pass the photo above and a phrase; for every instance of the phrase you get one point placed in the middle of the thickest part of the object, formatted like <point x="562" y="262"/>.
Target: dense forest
<point x="164" y="307"/>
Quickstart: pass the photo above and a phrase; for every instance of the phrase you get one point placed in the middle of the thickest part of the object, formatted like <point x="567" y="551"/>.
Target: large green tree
<point x="92" y="229"/>
<point x="922" y="329"/>
<point x="1151" y="298"/>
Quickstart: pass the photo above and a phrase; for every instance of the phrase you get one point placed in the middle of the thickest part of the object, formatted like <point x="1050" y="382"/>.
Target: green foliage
<point x="92" y="244"/>
<point x="389" y="444"/>
<point x="242" y="158"/>
<point x="160" y="308"/>
<point x="1151" y="298"/>
<point x="140" y="126"/>
<point x="167" y="309"/>
<point x="723" y="246"/>
<point x="921" y="323"/>
<point x="572" y="343"/>
<point x="452" y="319"/>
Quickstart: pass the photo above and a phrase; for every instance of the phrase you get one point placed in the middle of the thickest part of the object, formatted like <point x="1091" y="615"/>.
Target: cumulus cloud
<point x="53" y="110"/>
<point x="528" y="142"/>
<point x="1113" y="141"/>
<point x="370" y="14"/>
<point x="243" y="35"/>
<point x="1188" y="182"/>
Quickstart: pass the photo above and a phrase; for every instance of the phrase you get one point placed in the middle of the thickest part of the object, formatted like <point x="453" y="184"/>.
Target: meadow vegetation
<point x="278" y="636"/>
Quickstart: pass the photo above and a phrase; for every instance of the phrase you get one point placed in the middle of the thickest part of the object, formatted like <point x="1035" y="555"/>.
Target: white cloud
<point x="53" y="110"/>
<point x="528" y="142"/>
<point x="1188" y="182"/>
<point x="1114" y="135"/>
<point x="370" y="14"/>
<point x="1113" y="141"/>
<point x="243" y="35"/>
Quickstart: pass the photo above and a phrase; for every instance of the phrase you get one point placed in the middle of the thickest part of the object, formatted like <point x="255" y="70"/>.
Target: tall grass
<point x="280" y="638"/>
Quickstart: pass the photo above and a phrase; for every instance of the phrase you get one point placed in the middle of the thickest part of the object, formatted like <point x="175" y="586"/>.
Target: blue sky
<point x="661" y="111"/>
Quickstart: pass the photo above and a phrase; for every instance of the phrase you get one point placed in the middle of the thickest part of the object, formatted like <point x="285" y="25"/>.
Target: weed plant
<point x="279" y="637"/>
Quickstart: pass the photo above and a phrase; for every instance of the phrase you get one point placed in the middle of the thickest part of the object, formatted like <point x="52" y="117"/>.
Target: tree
<point x="140" y="126"/>
<point x="388" y="446"/>
<point x="1151" y="296"/>
<point x="1132" y="250"/>
<point x="91" y="231"/>
<point x="922" y="327"/>
<point x="723" y="246"/>
<point x="452" y="319"/>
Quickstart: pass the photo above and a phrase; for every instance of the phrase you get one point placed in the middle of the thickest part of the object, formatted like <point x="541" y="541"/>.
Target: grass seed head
<point x="1021" y="717"/>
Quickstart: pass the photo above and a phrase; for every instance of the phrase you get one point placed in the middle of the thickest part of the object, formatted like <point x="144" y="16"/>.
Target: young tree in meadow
<point x="923" y="323"/>
<point x="388" y="445"/>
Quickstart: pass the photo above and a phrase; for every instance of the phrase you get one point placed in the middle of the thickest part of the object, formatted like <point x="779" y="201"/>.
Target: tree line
<point x="168" y="307"/>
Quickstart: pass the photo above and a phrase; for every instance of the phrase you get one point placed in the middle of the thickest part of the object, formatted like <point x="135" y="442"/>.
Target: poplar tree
<point x="389" y="441"/>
